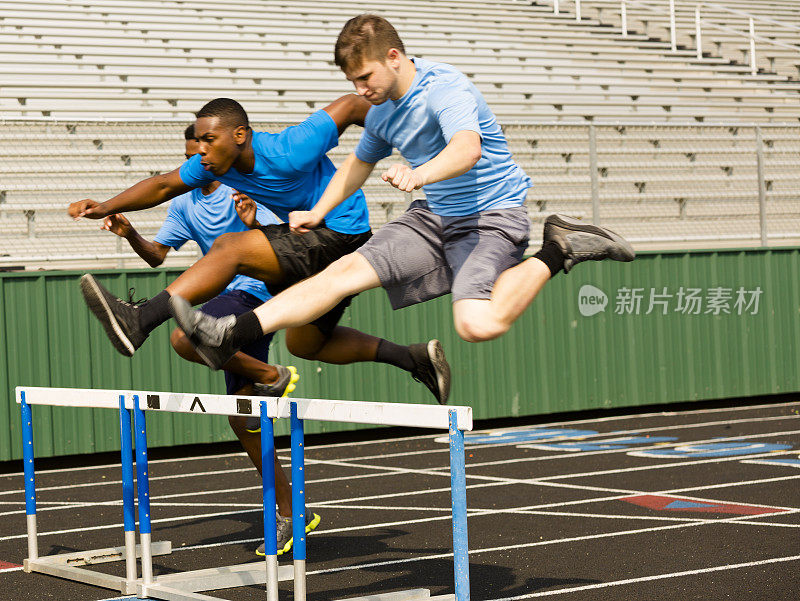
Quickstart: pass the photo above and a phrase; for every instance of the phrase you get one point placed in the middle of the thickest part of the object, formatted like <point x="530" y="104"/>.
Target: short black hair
<point x="188" y="133"/>
<point x="229" y="111"/>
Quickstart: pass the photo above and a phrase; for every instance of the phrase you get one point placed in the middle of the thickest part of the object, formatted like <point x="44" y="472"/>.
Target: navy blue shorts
<point x="236" y="302"/>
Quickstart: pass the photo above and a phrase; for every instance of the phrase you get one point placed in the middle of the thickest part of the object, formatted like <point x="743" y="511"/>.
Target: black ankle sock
<point x="394" y="354"/>
<point x="247" y="329"/>
<point x="154" y="312"/>
<point x="550" y="254"/>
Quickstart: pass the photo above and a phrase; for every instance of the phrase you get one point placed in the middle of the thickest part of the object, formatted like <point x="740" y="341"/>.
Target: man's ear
<point x="393" y="57"/>
<point x="240" y="134"/>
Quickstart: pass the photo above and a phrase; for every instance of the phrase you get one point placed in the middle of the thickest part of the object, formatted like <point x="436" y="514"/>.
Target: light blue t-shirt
<point x="440" y="103"/>
<point x="193" y="216"/>
<point x="291" y="172"/>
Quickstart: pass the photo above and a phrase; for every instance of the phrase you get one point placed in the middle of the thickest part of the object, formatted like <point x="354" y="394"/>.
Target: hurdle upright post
<point x="458" y="493"/>
<point x="268" y="490"/>
<point x="128" y="510"/>
<point x="298" y="506"/>
<point x="30" y="477"/>
<point x="143" y="490"/>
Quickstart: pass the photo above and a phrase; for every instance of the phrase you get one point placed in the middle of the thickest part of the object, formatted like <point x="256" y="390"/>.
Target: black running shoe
<point x="431" y="368"/>
<point x="581" y="241"/>
<point x="210" y="336"/>
<point x="120" y="319"/>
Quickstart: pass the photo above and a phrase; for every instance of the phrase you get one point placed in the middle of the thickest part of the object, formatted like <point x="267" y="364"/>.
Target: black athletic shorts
<point x="301" y="257"/>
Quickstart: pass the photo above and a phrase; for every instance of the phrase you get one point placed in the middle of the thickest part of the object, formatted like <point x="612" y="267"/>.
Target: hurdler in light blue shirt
<point x="195" y="216"/>
<point x="440" y="103"/>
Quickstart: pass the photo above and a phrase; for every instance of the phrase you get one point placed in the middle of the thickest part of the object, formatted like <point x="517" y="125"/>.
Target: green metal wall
<point x="554" y="359"/>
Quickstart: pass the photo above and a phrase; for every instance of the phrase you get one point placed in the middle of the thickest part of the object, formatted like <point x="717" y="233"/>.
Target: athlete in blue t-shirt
<point x="285" y="171"/>
<point x="469" y="235"/>
<point x="202" y="215"/>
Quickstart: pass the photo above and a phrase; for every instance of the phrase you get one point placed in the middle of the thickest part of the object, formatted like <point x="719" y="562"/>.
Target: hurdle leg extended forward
<point x="185" y="586"/>
<point x="66" y="565"/>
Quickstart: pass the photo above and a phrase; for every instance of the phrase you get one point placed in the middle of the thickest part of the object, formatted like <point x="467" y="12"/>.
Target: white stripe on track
<point x="588" y="587"/>
<point x="689" y="412"/>
<point x="563" y="454"/>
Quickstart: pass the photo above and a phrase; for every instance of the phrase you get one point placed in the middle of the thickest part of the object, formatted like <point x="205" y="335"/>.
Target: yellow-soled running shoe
<point x="282" y="387"/>
<point x="285" y="539"/>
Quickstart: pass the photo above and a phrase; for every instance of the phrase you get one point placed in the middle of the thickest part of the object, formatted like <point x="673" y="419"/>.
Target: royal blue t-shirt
<point x="440" y="103"/>
<point x="290" y="174"/>
<point x="194" y="216"/>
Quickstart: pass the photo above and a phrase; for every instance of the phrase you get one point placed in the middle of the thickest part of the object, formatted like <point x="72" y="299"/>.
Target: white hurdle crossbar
<point x="184" y="586"/>
<point x="67" y="565"/>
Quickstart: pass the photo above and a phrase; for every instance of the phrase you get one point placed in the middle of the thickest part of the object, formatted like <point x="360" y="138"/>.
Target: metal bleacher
<point x="94" y="95"/>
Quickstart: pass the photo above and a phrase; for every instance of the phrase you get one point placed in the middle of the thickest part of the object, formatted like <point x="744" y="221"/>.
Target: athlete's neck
<point x="209" y="189"/>
<point x="405" y="77"/>
<point x="246" y="161"/>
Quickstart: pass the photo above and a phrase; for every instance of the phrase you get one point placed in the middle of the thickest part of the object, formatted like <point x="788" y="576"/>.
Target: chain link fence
<point x="661" y="186"/>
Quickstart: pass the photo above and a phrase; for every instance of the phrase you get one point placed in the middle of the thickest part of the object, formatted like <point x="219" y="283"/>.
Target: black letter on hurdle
<point x="197" y="402"/>
<point x="244" y="406"/>
<point x="153" y="401"/>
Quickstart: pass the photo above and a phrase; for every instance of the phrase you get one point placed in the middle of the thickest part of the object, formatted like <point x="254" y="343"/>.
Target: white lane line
<point x="687" y="413"/>
<point x="531" y="481"/>
<point x="189" y="494"/>
<point x="119" y="482"/>
<point x="660" y="445"/>
<point x="563" y="454"/>
<point x="572" y="539"/>
<point x="558" y="455"/>
<point x="588" y="587"/>
<point x="492" y="481"/>
<point x="116" y="465"/>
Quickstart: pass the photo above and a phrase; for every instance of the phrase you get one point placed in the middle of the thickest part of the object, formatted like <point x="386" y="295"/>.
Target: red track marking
<point x="666" y="503"/>
<point x="4" y="565"/>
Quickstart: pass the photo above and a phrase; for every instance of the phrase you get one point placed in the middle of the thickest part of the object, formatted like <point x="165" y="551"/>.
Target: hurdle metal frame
<point x="185" y="586"/>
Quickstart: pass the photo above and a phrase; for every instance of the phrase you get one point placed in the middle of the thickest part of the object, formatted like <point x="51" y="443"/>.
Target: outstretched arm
<point x="152" y="252"/>
<point x="350" y="109"/>
<point x="344" y="183"/>
<point x="147" y="193"/>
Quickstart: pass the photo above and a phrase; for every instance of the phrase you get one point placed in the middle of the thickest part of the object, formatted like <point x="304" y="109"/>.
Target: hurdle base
<point x="185" y="586"/>
<point x="417" y="594"/>
<point x="65" y="565"/>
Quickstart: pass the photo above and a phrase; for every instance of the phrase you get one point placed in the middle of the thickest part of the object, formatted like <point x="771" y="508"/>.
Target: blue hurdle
<point x="67" y="565"/>
<point x="184" y="586"/>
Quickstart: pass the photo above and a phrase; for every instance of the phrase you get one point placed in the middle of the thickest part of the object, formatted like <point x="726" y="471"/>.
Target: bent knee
<point x="180" y="343"/>
<point x="479" y="330"/>
<point x="305" y="342"/>
<point x="224" y="242"/>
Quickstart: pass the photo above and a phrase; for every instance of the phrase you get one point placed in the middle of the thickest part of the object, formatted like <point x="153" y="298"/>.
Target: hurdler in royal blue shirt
<point x="290" y="174"/>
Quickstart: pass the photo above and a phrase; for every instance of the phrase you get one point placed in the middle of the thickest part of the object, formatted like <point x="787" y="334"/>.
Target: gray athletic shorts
<point x="421" y="255"/>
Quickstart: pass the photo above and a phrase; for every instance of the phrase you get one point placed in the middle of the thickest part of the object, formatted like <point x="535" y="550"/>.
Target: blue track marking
<point x="714" y="449"/>
<point x="522" y="436"/>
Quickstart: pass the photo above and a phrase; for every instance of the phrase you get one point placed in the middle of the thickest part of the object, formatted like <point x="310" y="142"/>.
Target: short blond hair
<point x="365" y="37"/>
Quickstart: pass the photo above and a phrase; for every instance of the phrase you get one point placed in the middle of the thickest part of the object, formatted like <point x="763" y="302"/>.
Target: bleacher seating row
<point x="94" y="95"/>
<point x="161" y="59"/>
<point x="656" y="184"/>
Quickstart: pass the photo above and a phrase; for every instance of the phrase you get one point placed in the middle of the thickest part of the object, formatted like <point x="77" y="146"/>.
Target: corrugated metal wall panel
<point x="554" y="359"/>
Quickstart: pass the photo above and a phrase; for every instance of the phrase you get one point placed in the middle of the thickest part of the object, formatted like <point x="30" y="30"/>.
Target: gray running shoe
<point x="210" y="336"/>
<point x="285" y="538"/>
<point x="120" y="319"/>
<point x="581" y="241"/>
<point x="431" y="368"/>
